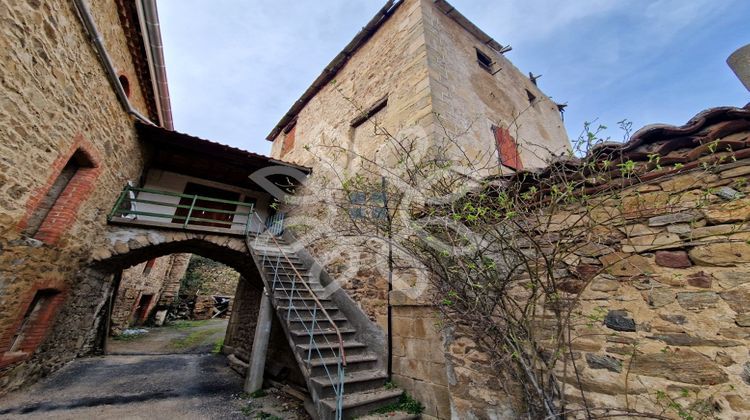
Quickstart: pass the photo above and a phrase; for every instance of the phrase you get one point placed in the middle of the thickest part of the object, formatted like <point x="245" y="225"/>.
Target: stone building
<point x="94" y="181"/>
<point x="75" y="75"/>
<point x="146" y="287"/>
<point x="87" y="141"/>
<point x="419" y="68"/>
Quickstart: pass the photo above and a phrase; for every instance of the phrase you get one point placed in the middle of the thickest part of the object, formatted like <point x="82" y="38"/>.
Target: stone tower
<point x="422" y="67"/>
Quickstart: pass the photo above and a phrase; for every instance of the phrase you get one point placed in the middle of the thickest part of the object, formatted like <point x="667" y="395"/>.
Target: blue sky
<point x="235" y="67"/>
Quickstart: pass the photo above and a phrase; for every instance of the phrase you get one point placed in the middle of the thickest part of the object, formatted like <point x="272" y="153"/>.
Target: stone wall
<point x="659" y="279"/>
<point x="242" y="322"/>
<point x="141" y="280"/>
<point x="216" y="279"/>
<point x="675" y="297"/>
<point x="56" y="101"/>
<point x="419" y="354"/>
<point x="280" y="361"/>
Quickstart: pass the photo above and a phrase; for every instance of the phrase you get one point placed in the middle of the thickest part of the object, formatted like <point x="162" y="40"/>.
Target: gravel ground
<point x="197" y="337"/>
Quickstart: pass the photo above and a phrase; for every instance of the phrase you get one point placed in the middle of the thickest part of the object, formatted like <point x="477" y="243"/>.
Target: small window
<point x="531" y="97"/>
<point x="50" y="199"/>
<point x="149" y="266"/>
<point x="35" y="321"/>
<point x="357" y="200"/>
<point x="367" y="205"/>
<point x="484" y="60"/>
<point x="125" y="83"/>
<point x="369" y="112"/>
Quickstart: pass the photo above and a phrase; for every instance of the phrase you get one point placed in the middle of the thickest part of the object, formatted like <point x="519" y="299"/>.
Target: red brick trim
<point x="36" y="334"/>
<point x="63" y="213"/>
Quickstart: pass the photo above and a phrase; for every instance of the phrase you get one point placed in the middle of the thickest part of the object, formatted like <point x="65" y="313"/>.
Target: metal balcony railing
<point x="182" y="209"/>
<point x="282" y="270"/>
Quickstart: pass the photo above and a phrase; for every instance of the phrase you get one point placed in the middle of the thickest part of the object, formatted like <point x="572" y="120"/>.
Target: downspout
<point x="148" y="17"/>
<point x="88" y="23"/>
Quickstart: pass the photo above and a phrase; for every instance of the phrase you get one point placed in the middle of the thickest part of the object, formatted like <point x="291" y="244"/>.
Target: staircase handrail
<point x="309" y="290"/>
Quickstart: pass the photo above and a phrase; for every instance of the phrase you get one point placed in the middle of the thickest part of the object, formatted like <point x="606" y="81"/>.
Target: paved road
<point x="155" y="387"/>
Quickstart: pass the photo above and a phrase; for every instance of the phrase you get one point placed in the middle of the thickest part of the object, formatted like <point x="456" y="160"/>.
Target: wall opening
<point x="369" y="112"/>
<point x="54" y="192"/>
<point x="531" y="96"/>
<point x="56" y="209"/>
<point x="34" y="323"/>
<point x="141" y="311"/>
<point x="125" y="83"/>
<point x="484" y="60"/>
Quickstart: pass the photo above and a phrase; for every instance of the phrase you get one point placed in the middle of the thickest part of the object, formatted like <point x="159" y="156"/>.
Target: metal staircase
<point x="343" y="375"/>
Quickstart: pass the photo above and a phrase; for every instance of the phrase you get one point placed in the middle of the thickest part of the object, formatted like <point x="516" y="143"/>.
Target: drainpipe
<point x="93" y="33"/>
<point x="148" y="17"/>
<point x="739" y="62"/>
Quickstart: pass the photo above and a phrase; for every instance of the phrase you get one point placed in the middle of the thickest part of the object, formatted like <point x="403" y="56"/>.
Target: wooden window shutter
<point x="507" y="149"/>
<point x="288" y="141"/>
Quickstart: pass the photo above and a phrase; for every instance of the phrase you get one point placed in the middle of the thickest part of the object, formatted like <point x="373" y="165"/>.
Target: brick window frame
<point x="507" y="148"/>
<point x="42" y="322"/>
<point x="63" y="213"/>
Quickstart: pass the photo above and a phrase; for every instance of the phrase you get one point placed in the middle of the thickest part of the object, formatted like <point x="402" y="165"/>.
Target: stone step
<point x="297" y="293"/>
<point x="364" y="380"/>
<point x="323" y="348"/>
<point x="298" y="286"/>
<point x="320" y="319"/>
<point x="284" y="265"/>
<point x="297" y="299"/>
<point x="310" y="307"/>
<point x="322" y="331"/>
<point x="301" y="336"/>
<point x="361" y="403"/>
<point x="354" y="363"/>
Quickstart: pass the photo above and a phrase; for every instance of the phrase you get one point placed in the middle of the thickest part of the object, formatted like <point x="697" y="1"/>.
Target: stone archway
<point x="124" y="247"/>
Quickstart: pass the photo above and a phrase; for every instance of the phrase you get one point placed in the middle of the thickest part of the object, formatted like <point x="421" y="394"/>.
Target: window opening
<point x="125" y="83"/>
<point x="76" y="162"/>
<point x="484" y="60"/>
<point x="369" y="112"/>
<point x="32" y="317"/>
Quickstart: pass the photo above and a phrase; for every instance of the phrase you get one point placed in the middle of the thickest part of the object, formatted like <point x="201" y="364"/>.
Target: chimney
<point x="739" y="62"/>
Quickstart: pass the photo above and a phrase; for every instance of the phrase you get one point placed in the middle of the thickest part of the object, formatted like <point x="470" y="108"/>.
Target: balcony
<point x="145" y="207"/>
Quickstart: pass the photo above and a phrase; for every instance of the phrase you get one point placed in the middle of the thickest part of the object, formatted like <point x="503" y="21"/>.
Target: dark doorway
<point x="141" y="311"/>
<point x="223" y="220"/>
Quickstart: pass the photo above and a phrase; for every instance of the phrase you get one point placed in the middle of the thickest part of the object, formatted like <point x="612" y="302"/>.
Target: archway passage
<point x="177" y="384"/>
<point x="177" y="304"/>
<point x="126" y="246"/>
